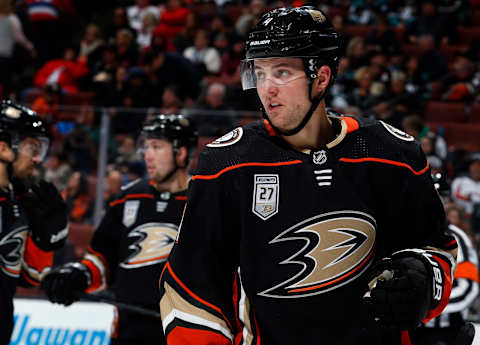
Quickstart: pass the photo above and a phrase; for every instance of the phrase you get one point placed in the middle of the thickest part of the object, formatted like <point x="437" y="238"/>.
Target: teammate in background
<point x="451" y="326"/>
<point x="26" y="240"/>
<point x="129" y="248"/>
<point x="322" y="228"/>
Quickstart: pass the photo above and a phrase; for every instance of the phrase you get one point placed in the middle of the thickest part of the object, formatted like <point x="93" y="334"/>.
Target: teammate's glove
<point x="47" y="215"/>
<point x="65" y="283"/>
<point x="403" y="288"/>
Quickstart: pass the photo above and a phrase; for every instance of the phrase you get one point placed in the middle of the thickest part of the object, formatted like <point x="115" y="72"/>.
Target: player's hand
<point x="65" y="283"/>
<point x="47" y="215"/>
<point x="399" y="293"/>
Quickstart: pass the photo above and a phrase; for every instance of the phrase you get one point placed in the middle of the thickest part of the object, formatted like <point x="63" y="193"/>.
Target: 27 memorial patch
<point x="265" y="195"/>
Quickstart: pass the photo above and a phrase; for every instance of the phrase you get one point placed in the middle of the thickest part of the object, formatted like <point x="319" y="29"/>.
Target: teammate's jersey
<point x="20" y="258"/>
<point x="275" y="243"/>
<point x="129" y="249"/>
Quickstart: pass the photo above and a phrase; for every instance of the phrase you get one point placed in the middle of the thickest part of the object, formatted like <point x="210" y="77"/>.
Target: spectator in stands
<point x="205" y="57"/>
<point x="127" y="151"/>
<point x="57" y="170"/>
<point x="138" y="86"/>
<point x="249" y="18"/>
<point x="136" y="13"/>
<point x="172" y="22"/>
<point x="417" y="128"/>
<point x="432" y="64"/>
<point x="47" y="32"/>
<point x="67" y="72"/>
<point x="364" y="12"/>
<point x="396" y="102"/>
<point x="382" y="38"/>
<point x="126" y="48"/>
<point x="46" y="104"/>
<point x="80" y="150"/>
<point x="119" y="22"/>
<point x="217" y="122"/>
<point x="458" y="84"/>
<point x="220" y="31"/>
<point x="357" y="53"/>
<point x="366" y="92"/>
<point x="345" y="37"/>
<point x="171" y="101"/>
<point x="91" y="46"/>
<point x="428" y="23"/>
<point x="144" y="37"/>
<point x="230" y="71"/>
<point x="466" y="189"/>
<point x="170" y="68"/>
<point x="135" y="170"/>
<point x="115" y="181"/>
<point x="79" y="203"/>
<point x="186" y="37"/>
<point x="11" y="32"/>
<point x="456" y="215"/>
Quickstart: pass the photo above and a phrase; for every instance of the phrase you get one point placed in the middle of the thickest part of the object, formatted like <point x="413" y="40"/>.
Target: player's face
<point x="28" y="156"/>
<point x="159" y="158"/>
<point x="283" y="89"/>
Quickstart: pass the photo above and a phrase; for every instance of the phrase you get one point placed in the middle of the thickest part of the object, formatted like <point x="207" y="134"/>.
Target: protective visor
<point x="278" y="74"/>
<point x="36" y="148"/>
<point x="144" y="143"/>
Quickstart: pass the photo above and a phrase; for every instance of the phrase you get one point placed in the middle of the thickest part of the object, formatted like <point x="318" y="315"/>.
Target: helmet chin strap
<point x="314" y="104"/>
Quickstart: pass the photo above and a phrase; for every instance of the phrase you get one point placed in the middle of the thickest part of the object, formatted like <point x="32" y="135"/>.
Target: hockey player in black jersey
<point x="25" y="244"/>
<point x="129" y="248"/>
<point x="309" y="227"/>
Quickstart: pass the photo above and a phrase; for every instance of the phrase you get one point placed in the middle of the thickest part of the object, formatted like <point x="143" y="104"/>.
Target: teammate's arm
<point x="67" y="282"/>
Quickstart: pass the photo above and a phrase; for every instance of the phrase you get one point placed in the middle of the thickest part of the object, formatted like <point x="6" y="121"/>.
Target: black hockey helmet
<point x="304" y="32"/>
<point x="18" y="122"/>
<point x="178" y="129"/>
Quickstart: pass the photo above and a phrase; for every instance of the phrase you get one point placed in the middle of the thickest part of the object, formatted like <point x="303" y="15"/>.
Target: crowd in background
<point x="172" y="55"/>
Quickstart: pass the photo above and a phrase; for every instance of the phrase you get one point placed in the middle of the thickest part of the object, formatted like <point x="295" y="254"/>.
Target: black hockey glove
<point x="64" y="284"/>
<point x="403" y="288"/>
<point x="47" y="215"/>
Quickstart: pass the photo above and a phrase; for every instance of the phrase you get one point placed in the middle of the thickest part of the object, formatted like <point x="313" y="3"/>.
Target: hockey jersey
<point x="20" y="259"/>
<point x="274" y="243"/>
<point x="128" y="251"/>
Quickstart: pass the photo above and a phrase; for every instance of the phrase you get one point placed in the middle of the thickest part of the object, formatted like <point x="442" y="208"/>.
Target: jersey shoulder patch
<point x="397" y="133"/>
<point x="228" y="139"/>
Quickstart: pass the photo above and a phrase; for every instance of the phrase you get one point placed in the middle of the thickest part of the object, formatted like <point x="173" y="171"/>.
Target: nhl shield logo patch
<point x="130" y="212"/>
<point x="320" y="157"/>
<point x="265" y="196"/>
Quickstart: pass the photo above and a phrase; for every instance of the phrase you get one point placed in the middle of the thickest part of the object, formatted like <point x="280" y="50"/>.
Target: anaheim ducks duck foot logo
<point x="338" y="247"/>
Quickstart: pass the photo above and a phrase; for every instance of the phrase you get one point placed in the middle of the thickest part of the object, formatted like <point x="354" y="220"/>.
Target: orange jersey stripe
<point x="185" y="336"/>
<point x="96" y="281"/>
<point x="336" y="280"/>
<point x="180" y="198"/>
<point x="90" y="249"/>
<point x="16" y="272"/>
<point x="174" y="276"/>
<point x="466" y="270"/>
<point x="211" y="177"/>
<point x="131" y="196"/>
<point x="385" y="161"/>
<point x="36" y="258"/>
<point x="405" y="338"/>
<point x="29" y="280"/>
<point x="269" y="128"/>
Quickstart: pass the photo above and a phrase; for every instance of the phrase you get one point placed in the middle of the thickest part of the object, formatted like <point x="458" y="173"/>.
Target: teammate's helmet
<point x="18" y="122"/>
<point x="303" y="32"/>
<point x="178" y="129"/>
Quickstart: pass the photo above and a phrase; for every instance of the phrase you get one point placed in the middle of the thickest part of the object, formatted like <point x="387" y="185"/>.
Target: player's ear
<point x="323" y="78"/>
<point x="181" y="158"/>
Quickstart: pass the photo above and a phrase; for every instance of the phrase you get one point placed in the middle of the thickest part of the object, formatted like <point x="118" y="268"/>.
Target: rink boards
<point x="39" y="322"/>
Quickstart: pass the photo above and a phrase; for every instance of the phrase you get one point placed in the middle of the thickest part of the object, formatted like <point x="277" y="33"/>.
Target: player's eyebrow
<point x="280" y="64"/>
